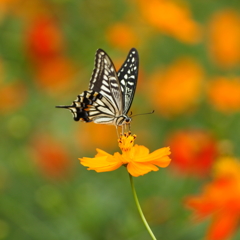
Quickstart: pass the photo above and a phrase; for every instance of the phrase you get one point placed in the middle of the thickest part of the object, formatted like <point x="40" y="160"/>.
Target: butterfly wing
<point x="127" y="76"/>
<point x="107" y="98"/>
<point x="104" y="80"/>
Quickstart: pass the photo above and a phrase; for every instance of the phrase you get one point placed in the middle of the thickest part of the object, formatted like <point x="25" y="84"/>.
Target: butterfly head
<point x="127" y="120"/>
<point x="123" y="120"/>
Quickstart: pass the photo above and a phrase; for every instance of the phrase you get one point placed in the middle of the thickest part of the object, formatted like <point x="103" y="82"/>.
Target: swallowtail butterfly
<point x="110" y="93"/>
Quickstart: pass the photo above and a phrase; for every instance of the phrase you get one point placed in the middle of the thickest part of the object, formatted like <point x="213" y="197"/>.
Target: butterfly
<point x="110" y="93"/>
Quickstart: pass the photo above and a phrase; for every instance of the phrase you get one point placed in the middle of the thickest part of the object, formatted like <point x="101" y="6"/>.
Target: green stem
<point x="139" y="209"/>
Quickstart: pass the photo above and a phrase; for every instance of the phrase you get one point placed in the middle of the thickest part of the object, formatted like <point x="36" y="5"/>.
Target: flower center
<point x="126" y="141"/>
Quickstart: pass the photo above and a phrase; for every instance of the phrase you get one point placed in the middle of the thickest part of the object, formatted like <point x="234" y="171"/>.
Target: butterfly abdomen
<point x="80" y="107"/>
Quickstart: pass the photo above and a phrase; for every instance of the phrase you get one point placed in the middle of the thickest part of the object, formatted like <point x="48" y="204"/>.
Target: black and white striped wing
<point x="110" y="95"/>
<point x="104" y="80"/>
<point x="127" y="76"/>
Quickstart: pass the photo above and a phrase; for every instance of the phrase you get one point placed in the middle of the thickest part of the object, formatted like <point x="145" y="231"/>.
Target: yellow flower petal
<point x="141" y="150"/>
<point x="160" y="153"/>
<point x="101" y="164"/>
<point x="101" y="153"/>
<point x="162" y="162"/>
<point x="138" y="169"/>
<point x="107" y="168"/>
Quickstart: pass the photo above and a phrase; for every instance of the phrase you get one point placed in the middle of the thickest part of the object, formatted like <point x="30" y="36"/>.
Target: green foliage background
<point x="84" y="204"/>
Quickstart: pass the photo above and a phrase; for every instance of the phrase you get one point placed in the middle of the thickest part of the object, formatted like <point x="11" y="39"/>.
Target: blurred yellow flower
<point x="8" y="5"/>
<point x="176" y="90"/>
<point x="136" y="158"/>
<point x="224" y="94"/>
<point x="224" y="38"/>
<point x="227" y="167"/>
<point x="220" y="199"/>
<point x="171" y="18"/>
<point x="121" y="35"/>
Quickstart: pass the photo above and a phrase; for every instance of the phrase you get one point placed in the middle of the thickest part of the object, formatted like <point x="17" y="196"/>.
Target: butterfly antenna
<point x="142" y="114"/>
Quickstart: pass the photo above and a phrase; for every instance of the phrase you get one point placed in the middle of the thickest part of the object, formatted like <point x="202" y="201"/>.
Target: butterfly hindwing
<point x="102" y="111"/>
<point x="127" y="76"/>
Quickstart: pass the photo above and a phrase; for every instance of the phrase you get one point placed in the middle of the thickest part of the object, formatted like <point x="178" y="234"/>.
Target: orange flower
<point x="199" y="157"/>
<point x="224" y="94"/>
<point x="12" y="95"/>
<point x="136" y="158"/>
<point x="51" y="156"/>
<point x="55" y="74"/>
<point x="178" y="88"/>
<point x="44" y="39"/>
<point x="122" y="36"/>
<point x="220" y="199"/>
<point x="224" y="38"/>
<point x="46" y="46"/>
<point x="171" y="18"/>
<point x="6" y="6"/>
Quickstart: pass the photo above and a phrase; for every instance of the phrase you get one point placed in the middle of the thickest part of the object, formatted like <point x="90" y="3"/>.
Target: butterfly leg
<point x="117" y="131"/>
<point x="129" y="127"/>
<point x="126" y="128"/>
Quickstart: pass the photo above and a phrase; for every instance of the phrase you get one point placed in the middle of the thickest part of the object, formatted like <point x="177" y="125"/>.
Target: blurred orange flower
<point x="121" y="35"/>
<point x="52" y="156"/>
<point x="178" y="89"/>
<point x="136" y="158"/>
<point x="171" y="18"/>
<point x="12" y="96"/>
<point x="6" y="6"/>
<point x="200" y="155"/>
<point x="224" y="94"/>
<point x="44" y="39"/>
<point x="55" y="74"/>
<point x="45" y="43"/>
<point x="224" y="38"/>
<point x="220" y="199"/>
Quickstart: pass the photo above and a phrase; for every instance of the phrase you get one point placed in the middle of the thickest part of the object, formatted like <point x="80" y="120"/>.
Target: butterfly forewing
<point x="127" y="76"/>
<point x="105" y="81"/>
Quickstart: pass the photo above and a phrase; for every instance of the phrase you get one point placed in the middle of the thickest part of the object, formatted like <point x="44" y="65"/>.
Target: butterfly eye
<point x="128" y="120"/>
